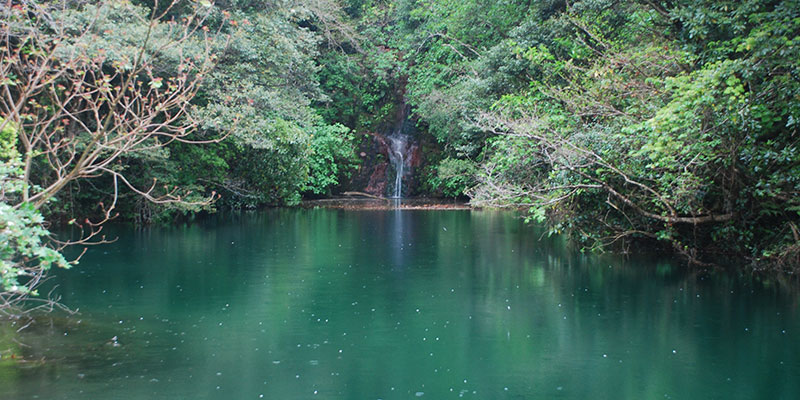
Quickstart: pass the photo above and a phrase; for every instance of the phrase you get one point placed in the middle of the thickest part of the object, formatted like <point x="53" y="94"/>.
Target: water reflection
<point x="400" y="237"/>
<point x="297" y="304"/>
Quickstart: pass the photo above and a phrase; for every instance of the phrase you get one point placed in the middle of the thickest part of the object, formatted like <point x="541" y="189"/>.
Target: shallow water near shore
<point x="322" y="303"/>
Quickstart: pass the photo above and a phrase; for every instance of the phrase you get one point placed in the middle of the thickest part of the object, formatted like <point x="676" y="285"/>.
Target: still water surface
<point x="333" y="304"/>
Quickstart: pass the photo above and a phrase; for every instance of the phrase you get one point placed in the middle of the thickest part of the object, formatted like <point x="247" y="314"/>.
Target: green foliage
<point x="25" y="253"/>
<point x="452" y="177"/>
<point x="117" y="31"/>
<point x="332" y="158"/>
<point x="276" y="172"/>
<point x="253" y="112"/>
<point x="617" y="121"/>
<point x="8" y="140"/>
<point x="360" y="88"/>
<point x="260" y="97"/>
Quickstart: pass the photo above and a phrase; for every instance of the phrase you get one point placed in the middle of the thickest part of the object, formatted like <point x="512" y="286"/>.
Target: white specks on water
<point x="419" y="394"/>
<point x="605" y="355"/>
<point x="674" y="351"/>
<point x="559" y="388"/>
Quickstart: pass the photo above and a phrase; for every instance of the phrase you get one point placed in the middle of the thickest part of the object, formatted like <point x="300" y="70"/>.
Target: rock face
<point x="377" y="180"/>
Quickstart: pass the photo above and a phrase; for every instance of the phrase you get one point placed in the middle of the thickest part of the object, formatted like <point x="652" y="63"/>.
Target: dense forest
<point x="621" y="123"/>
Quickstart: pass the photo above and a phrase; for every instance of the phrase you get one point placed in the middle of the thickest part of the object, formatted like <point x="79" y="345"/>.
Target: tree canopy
<point x="619" y="122"/>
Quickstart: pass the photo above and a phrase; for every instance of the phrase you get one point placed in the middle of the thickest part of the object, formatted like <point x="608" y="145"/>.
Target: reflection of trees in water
<point x="508" y="307"/>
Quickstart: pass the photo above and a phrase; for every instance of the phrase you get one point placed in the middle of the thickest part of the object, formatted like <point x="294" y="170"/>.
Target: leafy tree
<point x="74" y="110"/>
<point x="261" y="96"/>
<point x="332" y="159"/>
<point x="621" y="121"/>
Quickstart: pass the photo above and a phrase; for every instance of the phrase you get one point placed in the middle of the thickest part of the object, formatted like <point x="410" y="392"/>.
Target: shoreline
<point x="349" y="203"/>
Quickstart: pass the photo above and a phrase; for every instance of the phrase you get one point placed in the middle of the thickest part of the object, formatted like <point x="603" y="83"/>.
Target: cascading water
<point x="394" y="154"/>
<point x="397" y="155"/>
<point x="400" y="150"/>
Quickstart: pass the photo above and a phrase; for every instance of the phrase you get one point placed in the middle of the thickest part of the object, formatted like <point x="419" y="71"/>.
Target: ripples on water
<point x="396" y="304"/>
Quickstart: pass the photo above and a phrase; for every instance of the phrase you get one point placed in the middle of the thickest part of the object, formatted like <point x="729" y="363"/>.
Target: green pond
<point x="397" y="304"/>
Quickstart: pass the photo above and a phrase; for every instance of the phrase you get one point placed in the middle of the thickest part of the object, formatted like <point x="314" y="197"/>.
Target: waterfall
<point x="400" y="149"/>
<point x="397" y="155"/>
